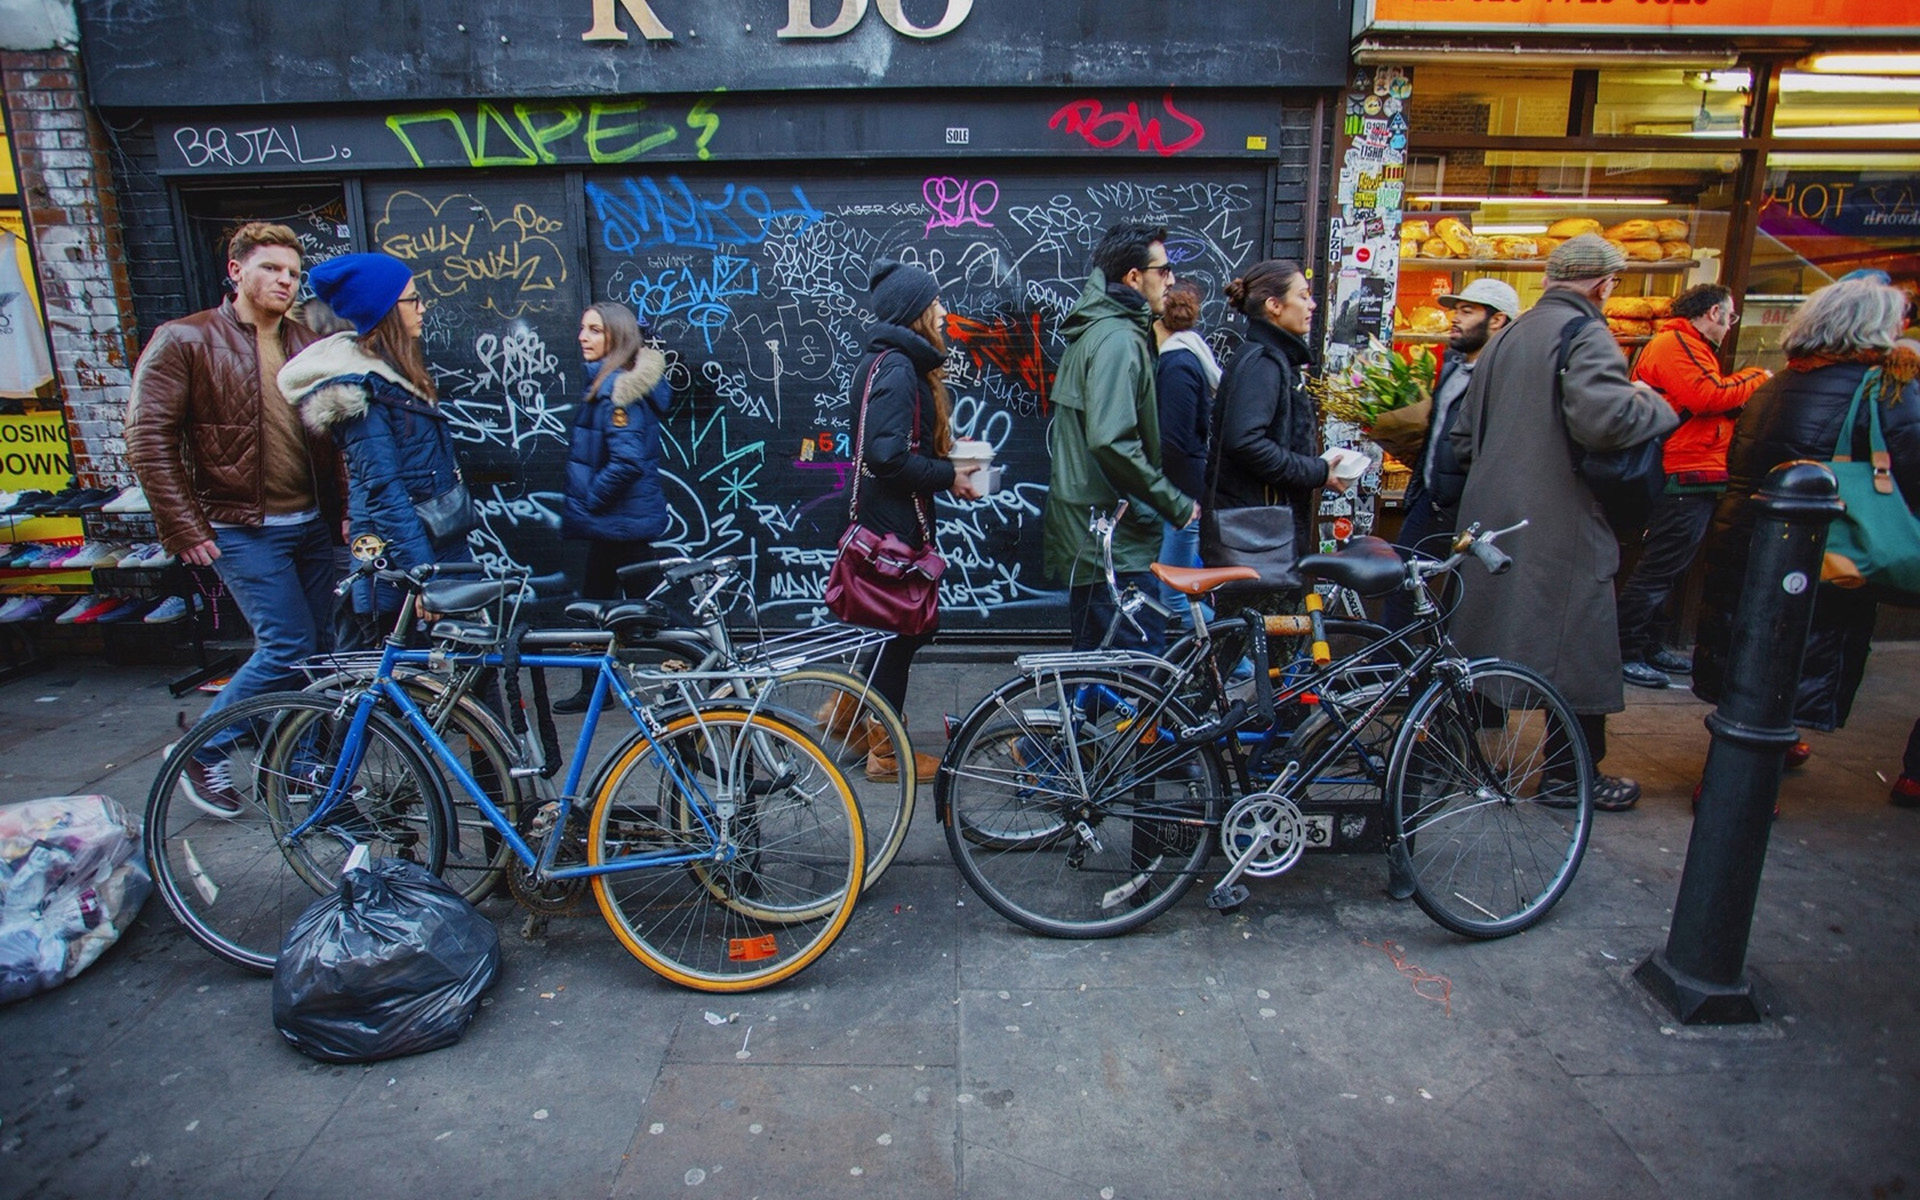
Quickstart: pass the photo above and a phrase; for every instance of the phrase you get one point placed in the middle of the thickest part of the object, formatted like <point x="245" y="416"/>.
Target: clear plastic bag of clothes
<point x="71" y="880"/>
<point x="393" y="962"/>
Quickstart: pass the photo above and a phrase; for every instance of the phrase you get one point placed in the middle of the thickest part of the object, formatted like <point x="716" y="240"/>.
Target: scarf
<point x="1187" y="339"/>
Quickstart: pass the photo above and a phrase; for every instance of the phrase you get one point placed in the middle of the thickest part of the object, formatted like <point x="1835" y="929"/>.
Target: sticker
<point x="1794" y="583"/>
<point x="1256" y="142"/>
<point x="1343" y="528"/>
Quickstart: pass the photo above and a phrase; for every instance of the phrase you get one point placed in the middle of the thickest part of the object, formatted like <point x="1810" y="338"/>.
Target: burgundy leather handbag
<point x="878" y="580"/>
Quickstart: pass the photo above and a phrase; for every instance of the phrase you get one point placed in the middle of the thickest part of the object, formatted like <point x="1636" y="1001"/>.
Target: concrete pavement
<point x="1324" y="1041"/>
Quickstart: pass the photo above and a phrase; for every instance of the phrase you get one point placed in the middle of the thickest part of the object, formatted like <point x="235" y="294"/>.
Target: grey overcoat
<point x="1554" y="611"/>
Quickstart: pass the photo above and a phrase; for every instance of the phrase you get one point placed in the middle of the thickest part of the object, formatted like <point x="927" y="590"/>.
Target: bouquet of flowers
<point x="1387" y="394"/>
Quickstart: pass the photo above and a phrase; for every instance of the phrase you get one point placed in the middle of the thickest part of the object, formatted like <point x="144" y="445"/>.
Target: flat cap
<point x="1588" y="256"/>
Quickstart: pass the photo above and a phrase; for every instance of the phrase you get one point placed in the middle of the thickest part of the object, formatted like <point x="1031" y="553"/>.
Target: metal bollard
<point x="1701" y="975"/>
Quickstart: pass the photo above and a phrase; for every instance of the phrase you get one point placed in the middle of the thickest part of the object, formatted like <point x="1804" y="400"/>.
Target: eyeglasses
<point x="1165" y="268"/>
<point x="419" y="302"/>
<point x="1733" y="318"/>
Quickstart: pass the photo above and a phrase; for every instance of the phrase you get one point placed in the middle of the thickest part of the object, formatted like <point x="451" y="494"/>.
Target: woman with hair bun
<point x="1184" y="381"/>
<point x="1266" y="426"/>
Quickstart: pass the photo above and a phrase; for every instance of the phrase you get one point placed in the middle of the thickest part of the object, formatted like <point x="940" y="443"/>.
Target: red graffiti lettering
<point x="1011" y="345"/>
<point x="1104" y="130"/>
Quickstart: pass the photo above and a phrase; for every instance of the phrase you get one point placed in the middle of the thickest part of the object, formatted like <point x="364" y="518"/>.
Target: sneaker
<point x="72" y="612"/>
<point x="127" y="609"/>
<point x="130" y="500"/>
<point x="1641" y="675"/>
<point x="173" y="608"/>
<point x="210" y="788"/>
<point x="1671" y="661"/>
<point x="1798" y="754"/>
<point x="96" y="554"/>
<point x="1905" y="793"/>
<point x="102" y="605"/>
<point x="1611" y="793"/>
<point x="27" y="608"/>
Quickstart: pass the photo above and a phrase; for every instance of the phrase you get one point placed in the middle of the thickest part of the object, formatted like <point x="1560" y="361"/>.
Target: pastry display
<point x="1456" y="235"/>
<point x="1435" y="248"/>
<point x="1420" y="231"/>
<point x="1671" y="230"/>
<point x="1676" y="250"/>
<point x="1516" y="248"/>
<point x="1430" y="319"/>
<point x="1643" y="251"/>
<point x="1660" y="307"/>
<point x="1633" y="308"/>
<point x="1622" y="327"/>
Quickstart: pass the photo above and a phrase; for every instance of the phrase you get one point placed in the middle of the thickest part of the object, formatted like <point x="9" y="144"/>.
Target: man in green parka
<point x="1105" y="437"/>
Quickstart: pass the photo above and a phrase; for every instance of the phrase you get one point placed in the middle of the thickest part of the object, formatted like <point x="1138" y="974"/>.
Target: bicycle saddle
<point x="1368" y="565"/>
<point x="451" y="597"/>
<point x="1198" y="581"/>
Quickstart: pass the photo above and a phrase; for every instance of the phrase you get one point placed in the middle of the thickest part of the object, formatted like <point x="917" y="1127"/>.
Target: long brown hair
<point x="624" y="341"/>
<point x="389" y="341"/>
<point x="930" y="329"/>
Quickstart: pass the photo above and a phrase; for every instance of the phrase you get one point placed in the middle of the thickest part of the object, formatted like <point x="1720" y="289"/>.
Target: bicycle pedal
<point x="1228" y="897"/>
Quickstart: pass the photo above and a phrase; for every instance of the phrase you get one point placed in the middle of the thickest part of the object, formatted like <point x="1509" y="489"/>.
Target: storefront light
<point x="1800" y="81"/>
<point x="1865" y="64"/>
<point x="1892" y="131"/>
<point x="1556" y="201"/>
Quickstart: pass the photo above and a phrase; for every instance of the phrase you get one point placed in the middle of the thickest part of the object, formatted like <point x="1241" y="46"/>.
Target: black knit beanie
<point x="900" y="292"/>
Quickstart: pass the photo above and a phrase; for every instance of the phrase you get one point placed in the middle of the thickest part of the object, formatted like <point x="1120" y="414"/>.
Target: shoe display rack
<point x="92" y="579"/>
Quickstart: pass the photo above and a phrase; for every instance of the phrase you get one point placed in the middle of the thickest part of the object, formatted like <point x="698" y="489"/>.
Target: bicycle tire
<point x="1488" y="850"/>
<point x="832" y="707"/>
<point x="1066" y="816"/>
<point x="477" y="856"/>
<point x="229" y="881"/>
<point x="742" y="924"/>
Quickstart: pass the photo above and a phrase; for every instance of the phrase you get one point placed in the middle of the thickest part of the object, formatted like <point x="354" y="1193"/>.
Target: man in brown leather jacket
<point x="235" y="480"/>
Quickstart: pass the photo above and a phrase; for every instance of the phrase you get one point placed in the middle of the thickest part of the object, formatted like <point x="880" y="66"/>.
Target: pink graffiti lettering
<point x="957" y="202"/>
<point x="1104" y="130"/>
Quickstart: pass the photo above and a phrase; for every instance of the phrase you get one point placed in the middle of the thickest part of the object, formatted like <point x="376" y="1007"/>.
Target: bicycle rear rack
<point x="838" y="642"/>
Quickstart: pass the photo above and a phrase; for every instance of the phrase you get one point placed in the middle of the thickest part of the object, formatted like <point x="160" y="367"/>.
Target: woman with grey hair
<point x="1841" y="333"/>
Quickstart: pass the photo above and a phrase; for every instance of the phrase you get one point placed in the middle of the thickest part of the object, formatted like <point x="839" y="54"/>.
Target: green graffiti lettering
<point x="566" y="118"/>
<point x="702" y="117"/>
<point x="599" y="134"/>
<point x="398" y="124"/>
<point x="488" y="117"/>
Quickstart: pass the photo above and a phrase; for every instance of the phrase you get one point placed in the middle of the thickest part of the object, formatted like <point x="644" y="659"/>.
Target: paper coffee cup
<point x="972" y="452"/>
<point x="1345" y="463"/>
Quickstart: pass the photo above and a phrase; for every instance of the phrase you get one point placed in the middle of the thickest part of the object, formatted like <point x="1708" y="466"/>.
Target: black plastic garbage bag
<point x="392" y="963"/>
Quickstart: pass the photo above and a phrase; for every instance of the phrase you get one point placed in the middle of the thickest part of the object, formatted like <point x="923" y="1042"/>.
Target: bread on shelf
<point x="1670" y="229"/>
<point x="1419" y="231"/>
<point x="1676" y="250"/>
<point x="1644" y="250"/>
<point x="1633" y="308"/>
<point x="1636" y="230"/>
<point x="1567" y="227"/>
<point x="1622" y="327"/>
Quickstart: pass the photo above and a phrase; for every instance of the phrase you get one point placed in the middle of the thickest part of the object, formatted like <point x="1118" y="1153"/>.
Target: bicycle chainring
<point x="1269" y="818"/>
<point x="554" y="897"/>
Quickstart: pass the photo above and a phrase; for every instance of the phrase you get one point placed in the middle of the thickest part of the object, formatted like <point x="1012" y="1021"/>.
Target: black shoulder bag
<point x="1259" y="535"/>
<point x="1625" y="482"/>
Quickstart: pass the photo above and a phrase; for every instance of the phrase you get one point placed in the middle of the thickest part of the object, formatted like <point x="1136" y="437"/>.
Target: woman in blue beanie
<point x="902" y="462"/>
<point x="614" y="501"/>
<point x="371" y="391"/>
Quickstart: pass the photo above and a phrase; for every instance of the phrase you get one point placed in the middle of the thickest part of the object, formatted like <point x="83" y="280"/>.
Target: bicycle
<point x="1085" y="796"/>
<point x="723" y="847"/>
<point x="838" y="709"/>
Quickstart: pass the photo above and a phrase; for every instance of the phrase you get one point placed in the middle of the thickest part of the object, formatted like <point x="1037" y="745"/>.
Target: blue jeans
<point x="282" y="578"/>
<point x="1180" y="547"/>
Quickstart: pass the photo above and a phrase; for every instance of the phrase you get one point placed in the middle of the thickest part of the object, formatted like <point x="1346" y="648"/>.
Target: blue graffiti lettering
<point x="678" y="290"/>
<point x="642" y="214"/>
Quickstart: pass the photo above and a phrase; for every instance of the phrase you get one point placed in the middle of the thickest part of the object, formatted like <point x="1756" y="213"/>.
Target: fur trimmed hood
<point x="326" y="381"/>
<point x="649" y="368"/>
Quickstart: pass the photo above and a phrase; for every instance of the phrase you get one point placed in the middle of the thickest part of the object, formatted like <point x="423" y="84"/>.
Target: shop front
<point x="1766" y="145"/>
<point x="730" y="172"/>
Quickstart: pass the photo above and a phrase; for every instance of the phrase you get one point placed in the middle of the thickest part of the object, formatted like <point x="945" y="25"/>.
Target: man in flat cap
<point x="1554" y="611"/>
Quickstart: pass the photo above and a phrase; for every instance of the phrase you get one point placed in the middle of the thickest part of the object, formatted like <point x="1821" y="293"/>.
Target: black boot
<point x="577" y="703"/>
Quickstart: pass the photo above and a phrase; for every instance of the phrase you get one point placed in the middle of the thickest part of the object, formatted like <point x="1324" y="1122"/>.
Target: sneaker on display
<point x="96" y="554"/>
<point x="130" y="500"/>
<point x="14" y="604"/>
<point x="101" y="606"/>
<point x="173" y="608"/>
<point x="27" y="608"/>
<point x="128" y="608"/>
<point x="72" y="612"/>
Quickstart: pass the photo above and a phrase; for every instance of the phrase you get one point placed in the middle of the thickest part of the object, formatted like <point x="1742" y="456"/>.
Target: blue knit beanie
<point x="899" y="292"/>
<point x="362" y="288"/>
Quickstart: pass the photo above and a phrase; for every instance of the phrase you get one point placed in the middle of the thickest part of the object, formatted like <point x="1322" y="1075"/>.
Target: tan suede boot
<point x="883" y="764"/>
<point x="842" y="731"/>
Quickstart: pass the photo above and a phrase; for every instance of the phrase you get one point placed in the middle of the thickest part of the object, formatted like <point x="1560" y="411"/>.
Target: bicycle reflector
<point x="751" y="949"/>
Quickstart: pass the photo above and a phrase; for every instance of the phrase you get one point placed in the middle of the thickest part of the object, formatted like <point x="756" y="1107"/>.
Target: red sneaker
<point x="1798" y="754"/>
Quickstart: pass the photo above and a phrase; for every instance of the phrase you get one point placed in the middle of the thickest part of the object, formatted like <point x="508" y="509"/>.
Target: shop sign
<point x="800" y="23"/>
<point x="34" y="452"/>
<point x="1685" y="17"/>
<point x="1842" y="203"/>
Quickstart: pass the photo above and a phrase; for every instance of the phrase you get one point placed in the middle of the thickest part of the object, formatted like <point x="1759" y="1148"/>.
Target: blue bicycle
<point x="723" y="846"/>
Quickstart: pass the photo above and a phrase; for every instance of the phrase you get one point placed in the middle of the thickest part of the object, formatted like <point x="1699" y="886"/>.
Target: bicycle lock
<point x="1701" y="975"/>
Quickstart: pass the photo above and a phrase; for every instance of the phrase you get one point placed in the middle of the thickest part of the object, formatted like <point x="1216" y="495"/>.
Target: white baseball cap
<point x="1488" y="293"/>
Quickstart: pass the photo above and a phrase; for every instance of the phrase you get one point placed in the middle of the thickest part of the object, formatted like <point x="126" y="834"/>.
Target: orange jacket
<point x="1680" y="363"/>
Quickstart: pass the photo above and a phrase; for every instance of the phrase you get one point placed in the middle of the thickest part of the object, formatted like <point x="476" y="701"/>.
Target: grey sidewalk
<point x="1322" y="1042"/>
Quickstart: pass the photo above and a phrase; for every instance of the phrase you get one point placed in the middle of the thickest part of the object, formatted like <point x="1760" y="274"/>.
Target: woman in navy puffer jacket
<point x="614" y="500"/>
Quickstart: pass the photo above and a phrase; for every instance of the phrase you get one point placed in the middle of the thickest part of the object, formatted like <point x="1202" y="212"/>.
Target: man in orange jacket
<point x="1681" y="363"/>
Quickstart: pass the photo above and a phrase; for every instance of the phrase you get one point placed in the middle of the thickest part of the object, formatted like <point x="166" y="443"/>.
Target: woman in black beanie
<point x="902" y="456"/>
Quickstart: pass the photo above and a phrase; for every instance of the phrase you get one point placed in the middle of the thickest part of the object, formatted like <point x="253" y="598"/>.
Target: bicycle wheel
<point x="1069" y="807"/>
<point x="848" y="719"/>
<point x="477" y="856"/>
<point x="1490" y="800"/>
<point x="763" y="891"/>
<point x="229" y="879"/>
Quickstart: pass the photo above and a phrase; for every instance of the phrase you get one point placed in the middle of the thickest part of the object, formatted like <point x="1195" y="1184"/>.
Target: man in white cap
<point x="1480" y="310"/>
<point x="1554" y="611"/>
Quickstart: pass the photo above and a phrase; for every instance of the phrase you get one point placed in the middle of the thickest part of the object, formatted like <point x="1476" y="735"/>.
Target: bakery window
<point x="1814" y="105"/>
<point x="1656" y="101"/>
<point x="1667" y="212"/>
<point x="1486" y="100"/>
<point x="1823" y="216"/>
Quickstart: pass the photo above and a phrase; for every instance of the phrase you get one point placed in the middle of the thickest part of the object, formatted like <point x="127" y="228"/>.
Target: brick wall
<point x="66" y="187"/>
<point x="146" y="226"/>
